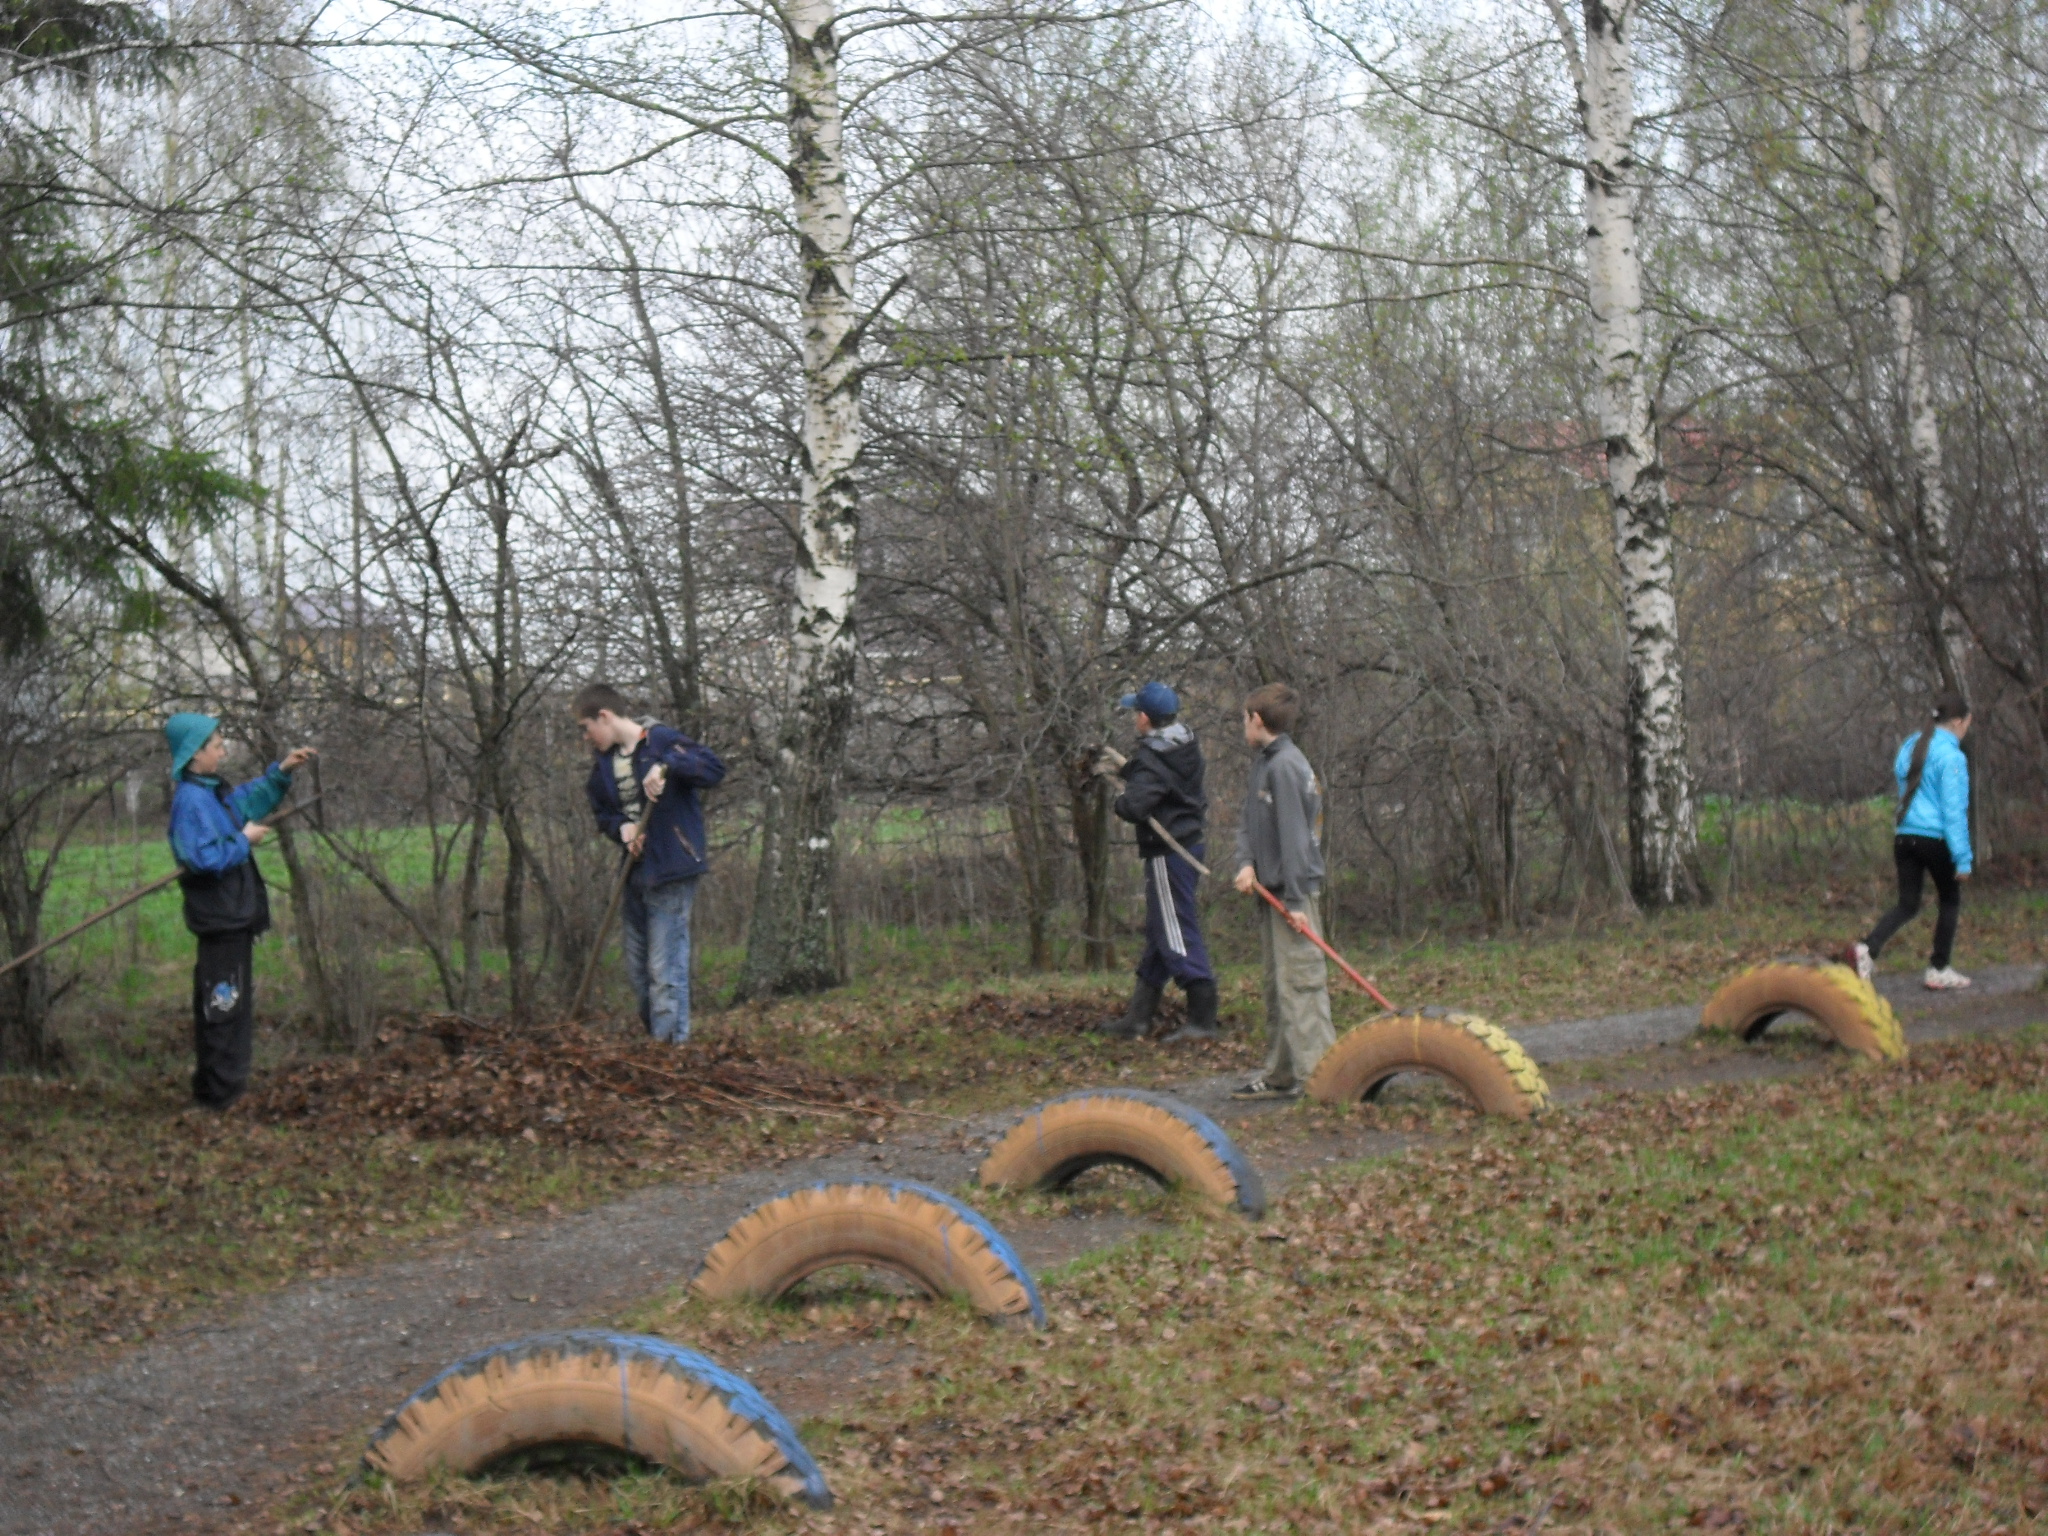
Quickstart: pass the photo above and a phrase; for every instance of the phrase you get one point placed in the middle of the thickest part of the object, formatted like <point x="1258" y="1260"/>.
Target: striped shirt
<point x="631" y="801"/>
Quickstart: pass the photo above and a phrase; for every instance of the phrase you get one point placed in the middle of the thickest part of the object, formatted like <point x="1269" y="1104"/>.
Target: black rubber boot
<point x="1201" y="1024"/>
<point x="1137" y="1019"/>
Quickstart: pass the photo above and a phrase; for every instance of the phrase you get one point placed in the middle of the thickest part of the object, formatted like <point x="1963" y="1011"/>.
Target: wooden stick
<point x="1317" y="939"/>
<point x="130" y="899"/>
<point x="611" y="911"/>
<point x="1277" y="904"/>
<point x="1281" y="907"/>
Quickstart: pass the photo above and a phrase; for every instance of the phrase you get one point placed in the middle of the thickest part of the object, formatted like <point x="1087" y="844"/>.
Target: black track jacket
<point x="1163" y="778"/>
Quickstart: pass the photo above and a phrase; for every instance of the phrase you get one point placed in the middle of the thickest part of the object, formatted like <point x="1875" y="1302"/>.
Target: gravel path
<point x="1623" y="1034"/>
<point x="184" y="1431"/>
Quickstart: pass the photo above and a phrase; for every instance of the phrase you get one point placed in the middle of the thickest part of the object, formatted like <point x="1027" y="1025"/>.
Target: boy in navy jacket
<point x="214" y="831"/>
<point x="1163" y="782"/>
<point x="643" y="791"/>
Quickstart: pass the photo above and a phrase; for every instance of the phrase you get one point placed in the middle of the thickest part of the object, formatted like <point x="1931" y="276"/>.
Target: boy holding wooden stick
<point x="214" y="831"/>
<point x="1279" y="846"/>
<point x="643" y="791"/>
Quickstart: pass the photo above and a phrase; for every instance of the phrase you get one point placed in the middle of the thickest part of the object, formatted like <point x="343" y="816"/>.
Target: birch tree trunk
<point x="1663" y="831"/>
<point x="1927" y="534"/>
<point x="790" y="947"/>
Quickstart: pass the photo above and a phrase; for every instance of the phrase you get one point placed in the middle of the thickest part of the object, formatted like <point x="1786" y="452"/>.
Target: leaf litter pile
<point x="446" y="1075"/>
<point x="1807" y="1306"/>
<point x="124" y="1208"/>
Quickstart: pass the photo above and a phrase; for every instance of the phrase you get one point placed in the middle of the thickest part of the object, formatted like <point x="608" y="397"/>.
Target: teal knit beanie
<point x="187" y="733"/>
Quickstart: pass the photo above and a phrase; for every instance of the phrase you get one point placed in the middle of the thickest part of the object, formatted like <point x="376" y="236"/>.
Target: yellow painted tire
<point x="1849" y="1008"/>
<point x="918" y="1232"/>
<point x="1481" y="1058"/>
<point x="1173" y="1142"/>
<point x="655" y="1399"/>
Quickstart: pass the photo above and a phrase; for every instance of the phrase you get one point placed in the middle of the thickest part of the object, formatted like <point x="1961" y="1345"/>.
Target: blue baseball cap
<point x="1155" y="699"/>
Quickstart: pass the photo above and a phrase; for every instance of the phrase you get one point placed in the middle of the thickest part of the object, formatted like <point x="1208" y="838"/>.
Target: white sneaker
<point x="1947" y="979"/>
<point x="1865" y="966"/>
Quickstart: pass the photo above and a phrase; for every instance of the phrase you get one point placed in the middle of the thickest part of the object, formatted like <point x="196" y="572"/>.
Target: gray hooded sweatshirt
<point x="1280" y="831"/>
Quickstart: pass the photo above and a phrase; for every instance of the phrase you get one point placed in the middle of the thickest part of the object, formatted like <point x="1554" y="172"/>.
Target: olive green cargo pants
<point x="1298" y="1031"/>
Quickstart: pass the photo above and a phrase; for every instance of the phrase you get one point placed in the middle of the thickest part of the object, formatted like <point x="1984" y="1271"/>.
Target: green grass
<point x="1812" y="876"/>
<point x="973" y="1041"/>
<point x="1804" y="1307"/>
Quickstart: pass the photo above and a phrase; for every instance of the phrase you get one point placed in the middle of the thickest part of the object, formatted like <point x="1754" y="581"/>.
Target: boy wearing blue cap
<point x="214" y="830"/>
<point x="1163" y="782"/>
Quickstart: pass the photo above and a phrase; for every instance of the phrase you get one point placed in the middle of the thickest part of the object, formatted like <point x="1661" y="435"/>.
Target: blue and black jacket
<point x="224" y="891"/>
<point x="675" y="849"/>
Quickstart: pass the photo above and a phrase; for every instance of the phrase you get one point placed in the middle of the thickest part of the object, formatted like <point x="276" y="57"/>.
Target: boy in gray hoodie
<point x="1279" y="841"/>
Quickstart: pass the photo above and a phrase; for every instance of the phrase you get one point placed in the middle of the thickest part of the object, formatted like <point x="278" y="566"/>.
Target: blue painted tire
<point x="657" y="1400"/>
<point x="918" y="1232"/>
<point x="1173" y="1142"/>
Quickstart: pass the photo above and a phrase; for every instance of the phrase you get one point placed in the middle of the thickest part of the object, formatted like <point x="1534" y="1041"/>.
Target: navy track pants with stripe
<point x="1173" y="933"/>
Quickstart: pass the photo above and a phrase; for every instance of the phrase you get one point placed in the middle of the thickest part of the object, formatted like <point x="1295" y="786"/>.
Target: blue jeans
<point x="657" y="942"/>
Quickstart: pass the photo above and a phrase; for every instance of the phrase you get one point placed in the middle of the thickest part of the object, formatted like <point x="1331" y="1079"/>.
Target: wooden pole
<point x="1117" y="758"/>
<point x="131" y="898"/>
<point x="611" y="911"/>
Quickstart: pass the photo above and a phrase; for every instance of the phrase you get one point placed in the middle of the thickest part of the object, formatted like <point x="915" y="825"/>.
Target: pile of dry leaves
<point x="448" y="1075"/>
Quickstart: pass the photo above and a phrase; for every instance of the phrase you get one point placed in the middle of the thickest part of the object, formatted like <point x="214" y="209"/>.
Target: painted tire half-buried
<point x="1173" y="1142"/>
<point x="1845" y="1005"/>
<point x="918" y="1232"/>
<point x="1481" y="1058"/>
<point x="655" y="1399"/>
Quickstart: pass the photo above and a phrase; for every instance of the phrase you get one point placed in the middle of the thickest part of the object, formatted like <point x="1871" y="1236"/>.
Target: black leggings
<point x="1917" y="858"/>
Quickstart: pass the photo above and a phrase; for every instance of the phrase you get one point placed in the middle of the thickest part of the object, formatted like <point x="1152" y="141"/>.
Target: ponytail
<point x="1947" y="707"/>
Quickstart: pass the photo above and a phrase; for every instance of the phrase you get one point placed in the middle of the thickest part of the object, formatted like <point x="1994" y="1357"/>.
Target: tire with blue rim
<point x="1173" y="1142"/>
<point x="644" y="1395"/>
<point x="916" y="1231"/>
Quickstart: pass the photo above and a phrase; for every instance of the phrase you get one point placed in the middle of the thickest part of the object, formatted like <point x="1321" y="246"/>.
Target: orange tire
<point x="1481" y="1058"/>
<point x="1849" y="1008"/>
<point x="1173" y="1142"/>
<point x="655" y="1399"/>
<point x="921" y="1233"/>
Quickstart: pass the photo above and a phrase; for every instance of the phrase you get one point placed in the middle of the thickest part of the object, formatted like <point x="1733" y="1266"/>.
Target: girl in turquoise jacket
<point x="1932" y="838"/>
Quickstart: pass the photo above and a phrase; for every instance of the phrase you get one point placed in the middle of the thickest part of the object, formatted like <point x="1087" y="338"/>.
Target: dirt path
<point x="199" y="1424"/>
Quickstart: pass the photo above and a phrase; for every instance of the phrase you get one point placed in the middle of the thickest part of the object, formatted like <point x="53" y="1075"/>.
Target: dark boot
<point x="1137" y="1019"/>
<point x="1201" y="1024"/>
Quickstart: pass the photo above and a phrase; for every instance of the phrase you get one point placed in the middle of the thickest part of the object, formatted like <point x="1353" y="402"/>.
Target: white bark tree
<point x="790" y="946"/>
<point x="1929" y="564"/>
<point x="1663" y="827"/>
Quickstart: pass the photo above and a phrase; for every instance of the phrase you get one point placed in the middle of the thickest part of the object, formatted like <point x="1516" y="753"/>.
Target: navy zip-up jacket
<point x="1163" y="779"/>
<point x="675" y="849"/>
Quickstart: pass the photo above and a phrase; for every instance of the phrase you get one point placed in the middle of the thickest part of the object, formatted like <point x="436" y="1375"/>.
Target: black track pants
<point x="1917" y="858"/>
<point x="223" y="1017"/>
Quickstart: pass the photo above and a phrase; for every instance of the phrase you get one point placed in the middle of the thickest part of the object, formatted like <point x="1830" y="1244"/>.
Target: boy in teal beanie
<point x="214" y="831"/>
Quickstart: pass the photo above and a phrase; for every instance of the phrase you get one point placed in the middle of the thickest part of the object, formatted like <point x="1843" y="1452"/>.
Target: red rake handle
<point x="1317" y="939"/>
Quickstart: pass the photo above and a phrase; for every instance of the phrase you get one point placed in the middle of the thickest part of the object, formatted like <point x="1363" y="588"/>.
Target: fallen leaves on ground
<point x="122" y="1208"/>
<point x="448" y="1075"/>
<point x="1801" y="1306"/>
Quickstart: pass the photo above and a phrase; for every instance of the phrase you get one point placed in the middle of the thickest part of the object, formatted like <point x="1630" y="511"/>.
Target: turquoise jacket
<point x="1942" y="806"/>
